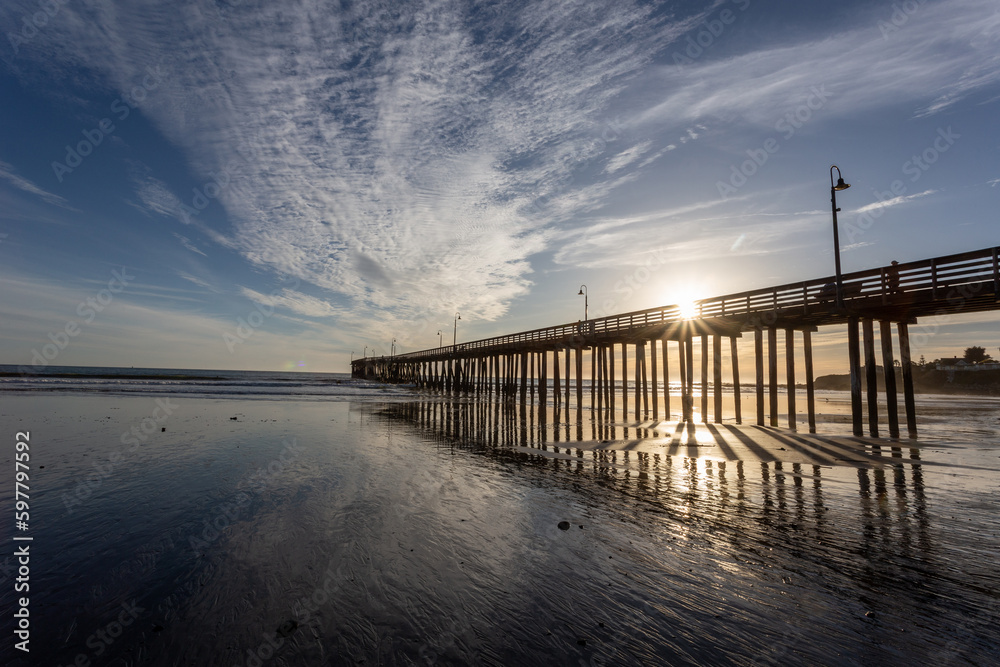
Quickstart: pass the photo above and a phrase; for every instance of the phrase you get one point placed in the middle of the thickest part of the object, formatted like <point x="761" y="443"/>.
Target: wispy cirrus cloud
<point x="186" y="242"/>
<point x="683" y="234"/>
<point x="155" y="196"/>
<point x="627" y="157"/>
<point x="295" y="301"/>
<point x="200" y="282"/>
<point x="895" y="201"/>
<point x="10" y="175"/>
<point x="945" y="52"/>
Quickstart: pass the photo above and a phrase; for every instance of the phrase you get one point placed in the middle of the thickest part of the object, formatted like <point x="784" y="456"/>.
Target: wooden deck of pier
<point x="517" y="365"/>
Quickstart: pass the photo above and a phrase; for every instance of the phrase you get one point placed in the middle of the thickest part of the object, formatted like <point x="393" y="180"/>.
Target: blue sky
<point x="280" y="184"/>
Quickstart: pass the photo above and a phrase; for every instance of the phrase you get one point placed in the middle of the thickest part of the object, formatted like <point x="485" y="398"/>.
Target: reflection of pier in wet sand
<point x="543" y="432"/>
<point x="648" y="455"/>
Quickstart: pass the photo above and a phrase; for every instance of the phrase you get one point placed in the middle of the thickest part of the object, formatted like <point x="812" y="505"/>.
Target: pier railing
<point x="933" y="280"/>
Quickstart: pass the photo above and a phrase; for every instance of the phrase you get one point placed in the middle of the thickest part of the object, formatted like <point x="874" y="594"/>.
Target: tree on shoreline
<point x="976" y="355"/>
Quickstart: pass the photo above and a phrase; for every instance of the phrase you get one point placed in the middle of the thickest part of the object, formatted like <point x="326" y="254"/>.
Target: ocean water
<point x="82" y="379"/>
<point x="218" y="518"/>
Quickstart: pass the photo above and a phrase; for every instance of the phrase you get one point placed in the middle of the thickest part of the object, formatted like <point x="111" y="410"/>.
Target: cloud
<point x="156" y="196"/>
<point x="186" y="242"/>
<point x="627" y="157"/>
<point x="371" y="271"/>
<point x="297" y="302"/>
<point x="196" y="280"/>
<point x="681" y="236"/>
<point x="895" y="201"/>
<point x="395" y="157"/>
<point x="948" y="50"/>
<point x="9" y="174"/>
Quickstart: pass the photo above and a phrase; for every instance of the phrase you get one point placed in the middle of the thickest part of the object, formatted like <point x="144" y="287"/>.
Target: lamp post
<point x="392" y="348"/>
<point x="454" y="340"/>
<point x="366" y="352"/>
<point x="586" y="307"/>
<point x="440" y="341"/>
<point x="834" y="187"/>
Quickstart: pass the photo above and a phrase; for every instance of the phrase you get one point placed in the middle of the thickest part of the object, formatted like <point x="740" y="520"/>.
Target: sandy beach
<point x="437" y="531"/>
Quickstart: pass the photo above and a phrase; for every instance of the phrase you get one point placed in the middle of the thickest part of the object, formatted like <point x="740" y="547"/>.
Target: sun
<point x="685" y="298"/>
<point x="688" y="309"/>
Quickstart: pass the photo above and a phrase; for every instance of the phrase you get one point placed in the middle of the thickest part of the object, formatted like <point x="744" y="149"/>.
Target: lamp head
<point x="841" y="185"/>
<point x="580" y="293"/>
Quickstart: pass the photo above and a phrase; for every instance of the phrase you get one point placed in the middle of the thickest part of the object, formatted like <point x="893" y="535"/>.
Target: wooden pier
<point x="516" y="366"/>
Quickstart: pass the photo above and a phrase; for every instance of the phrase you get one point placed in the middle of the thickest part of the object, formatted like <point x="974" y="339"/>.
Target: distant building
<point x="956" y="364"/>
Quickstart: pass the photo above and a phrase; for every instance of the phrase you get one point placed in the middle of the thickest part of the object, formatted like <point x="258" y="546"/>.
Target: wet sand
<point x="430" y="531"/>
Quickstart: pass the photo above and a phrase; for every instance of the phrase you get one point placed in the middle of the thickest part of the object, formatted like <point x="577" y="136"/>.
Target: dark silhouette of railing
<point x="965" y="282"/>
